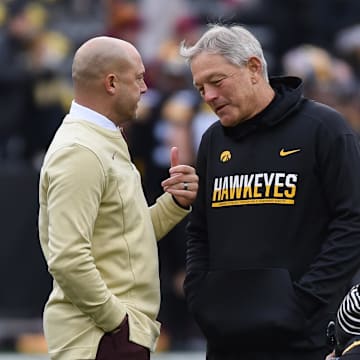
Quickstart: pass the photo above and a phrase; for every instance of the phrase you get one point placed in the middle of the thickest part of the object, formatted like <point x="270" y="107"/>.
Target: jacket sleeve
<point x="197" y="253"/>
<point x="75" y="183"/>
<point x="165" y="214"/>
<point x="338" y="159"/>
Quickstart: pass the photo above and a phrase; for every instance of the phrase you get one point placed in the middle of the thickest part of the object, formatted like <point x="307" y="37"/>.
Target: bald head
<point x="108" y="75"/>
<point x="98" y="56"/>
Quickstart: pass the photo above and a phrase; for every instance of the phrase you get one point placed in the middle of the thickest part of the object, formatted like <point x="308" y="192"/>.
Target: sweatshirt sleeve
<point x="165" y="214"/>
<point x="339" y="172"/>
<point x="76" y="181"/>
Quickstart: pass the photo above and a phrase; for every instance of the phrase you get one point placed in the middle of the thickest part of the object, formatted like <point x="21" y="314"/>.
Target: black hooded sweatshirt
<point x="274" y="235"/>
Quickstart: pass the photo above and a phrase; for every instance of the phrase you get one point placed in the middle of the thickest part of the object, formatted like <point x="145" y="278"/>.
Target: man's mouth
<point x="219" y="108"/>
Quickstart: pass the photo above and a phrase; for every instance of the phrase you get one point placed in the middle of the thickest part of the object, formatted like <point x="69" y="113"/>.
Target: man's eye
<point x="200" y="90"/>
<point x="217" y="82"/>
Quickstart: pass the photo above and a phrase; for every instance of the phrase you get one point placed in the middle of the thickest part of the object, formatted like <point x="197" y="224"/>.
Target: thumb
<point x="174" y="156"/>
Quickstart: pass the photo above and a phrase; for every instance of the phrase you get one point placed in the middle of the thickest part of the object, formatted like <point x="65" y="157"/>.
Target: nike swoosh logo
<point x="283" y="152"/>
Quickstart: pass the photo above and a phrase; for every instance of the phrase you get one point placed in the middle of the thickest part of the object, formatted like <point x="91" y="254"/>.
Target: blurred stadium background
<point x="317" y="40"/>
<point x="167" y="356"/>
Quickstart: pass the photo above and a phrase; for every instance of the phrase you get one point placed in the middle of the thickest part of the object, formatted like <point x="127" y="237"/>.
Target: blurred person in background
<point x="347" y="45"/>
<point x="346" y="328"/>
<point x="16" y="82"/>
<point x="97" y="232"/>
<point x="327" y="79"/>
<point x="157" y="28"/>
<point x="273" y="238"/>
<point x="31" y="86"/>
<point x="123" y="20"/>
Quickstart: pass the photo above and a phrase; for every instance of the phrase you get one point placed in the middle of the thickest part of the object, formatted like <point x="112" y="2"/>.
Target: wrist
<point x="178" y="204"/>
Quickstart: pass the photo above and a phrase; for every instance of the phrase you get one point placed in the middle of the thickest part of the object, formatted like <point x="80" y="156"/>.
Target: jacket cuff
<point x="110" y="315"/>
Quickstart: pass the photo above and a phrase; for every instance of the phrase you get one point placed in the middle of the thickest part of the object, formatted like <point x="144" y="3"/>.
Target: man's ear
<point x="110" y="83"/>
<point x="254" y="65"/>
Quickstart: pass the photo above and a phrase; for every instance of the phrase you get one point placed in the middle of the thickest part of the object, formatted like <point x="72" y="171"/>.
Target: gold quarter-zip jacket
<point x="98" y="236"/>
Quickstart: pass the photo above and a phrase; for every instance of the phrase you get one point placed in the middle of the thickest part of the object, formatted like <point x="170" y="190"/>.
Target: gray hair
<point x="235" y="43"/>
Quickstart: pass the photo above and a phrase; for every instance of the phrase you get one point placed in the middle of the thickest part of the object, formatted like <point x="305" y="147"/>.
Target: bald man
<point x="97" y="233"/>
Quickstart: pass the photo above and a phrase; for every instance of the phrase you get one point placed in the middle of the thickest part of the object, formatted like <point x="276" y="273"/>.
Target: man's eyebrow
<point x="211" y="77"/>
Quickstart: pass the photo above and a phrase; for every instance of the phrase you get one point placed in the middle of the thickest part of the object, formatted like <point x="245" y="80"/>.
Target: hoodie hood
<point x="288" y="96"/>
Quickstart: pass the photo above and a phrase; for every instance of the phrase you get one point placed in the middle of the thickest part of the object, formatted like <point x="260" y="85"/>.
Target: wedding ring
<point x="186" y="185"/>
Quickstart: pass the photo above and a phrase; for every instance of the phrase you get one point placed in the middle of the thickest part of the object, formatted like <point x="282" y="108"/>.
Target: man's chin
<point x="226" y="122"/>
<point x="132" y="118"/>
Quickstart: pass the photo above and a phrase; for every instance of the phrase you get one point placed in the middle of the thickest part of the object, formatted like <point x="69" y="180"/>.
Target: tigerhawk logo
<point x="225" y="156"/>
<point x="253" y="189"/>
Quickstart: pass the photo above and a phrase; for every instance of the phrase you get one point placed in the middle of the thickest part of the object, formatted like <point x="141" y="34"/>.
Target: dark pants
<point x="116" y="346"/>
<point x="239" y="355"/>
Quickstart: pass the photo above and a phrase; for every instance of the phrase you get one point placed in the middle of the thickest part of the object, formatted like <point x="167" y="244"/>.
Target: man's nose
<point x="210" y="93"/>
<point x="143" y="87"/>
